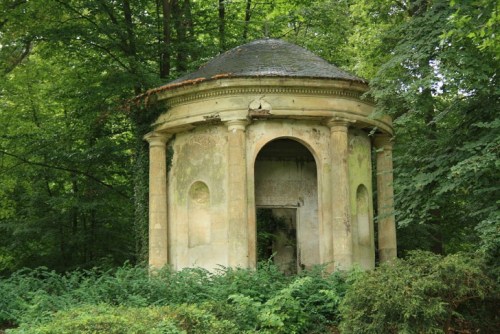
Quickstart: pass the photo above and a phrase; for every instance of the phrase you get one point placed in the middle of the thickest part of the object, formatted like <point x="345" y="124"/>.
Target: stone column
<point x="385" y="199"/>
<point x="158" y="225"/>
<point x="237" y="194"/>
<point x="341" y="212"/>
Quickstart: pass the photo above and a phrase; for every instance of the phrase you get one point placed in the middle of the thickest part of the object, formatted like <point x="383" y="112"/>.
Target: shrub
<point x="34" y="296"/>
<point x="425" y="293"/>
<point x="308" y="304"/>
<point x="260" y="284"/>
<point x="108" y="319"/>
<point x="321" y="297"/>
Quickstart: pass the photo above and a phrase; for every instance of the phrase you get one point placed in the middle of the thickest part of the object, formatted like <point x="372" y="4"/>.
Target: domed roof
<point x="268" y="58"/>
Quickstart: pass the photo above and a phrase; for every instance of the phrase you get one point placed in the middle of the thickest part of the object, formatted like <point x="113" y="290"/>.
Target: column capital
<point x="337" y="124"/>
<point x="236" y="124"/>
<point x="157" y="139"/>
<point x="383" y="141"/>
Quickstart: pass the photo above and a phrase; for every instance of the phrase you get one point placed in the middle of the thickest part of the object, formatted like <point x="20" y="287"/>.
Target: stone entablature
<point x="228" y="98"/>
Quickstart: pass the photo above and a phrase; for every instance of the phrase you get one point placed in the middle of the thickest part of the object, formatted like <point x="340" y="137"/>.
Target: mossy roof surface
<point x="268" y="58"/>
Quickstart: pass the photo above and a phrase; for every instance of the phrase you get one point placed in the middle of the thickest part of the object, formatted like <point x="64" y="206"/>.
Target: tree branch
<point x="65" y="169"/>
<point x="107" y="51"/>
<point x="19" y="59"/>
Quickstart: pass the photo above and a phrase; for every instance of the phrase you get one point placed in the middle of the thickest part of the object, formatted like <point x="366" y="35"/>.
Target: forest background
<point x="73" y="164"/>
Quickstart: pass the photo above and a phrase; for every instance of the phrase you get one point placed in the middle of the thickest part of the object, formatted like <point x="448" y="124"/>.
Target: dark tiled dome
<point x="268" y="58"/>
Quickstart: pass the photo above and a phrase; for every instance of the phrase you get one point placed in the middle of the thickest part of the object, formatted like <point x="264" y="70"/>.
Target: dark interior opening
<point x="277" y="238"/>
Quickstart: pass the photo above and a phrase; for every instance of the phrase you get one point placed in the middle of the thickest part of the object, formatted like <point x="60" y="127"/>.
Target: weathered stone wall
<point x="219" y="128"/>
<point x="198" y="198"/>
<point x="198" y="192"/>
<point x="360" y="180"/>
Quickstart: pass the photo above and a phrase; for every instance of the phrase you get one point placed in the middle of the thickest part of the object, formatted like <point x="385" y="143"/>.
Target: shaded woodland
<point x="73" y="165"/>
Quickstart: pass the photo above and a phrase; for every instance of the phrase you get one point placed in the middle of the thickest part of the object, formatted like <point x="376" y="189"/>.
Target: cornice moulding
<point x="284" y="86"/>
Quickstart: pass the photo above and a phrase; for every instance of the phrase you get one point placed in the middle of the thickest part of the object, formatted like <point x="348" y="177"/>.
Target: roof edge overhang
<point x="172" y="94"/>
<point x="184" y="105"/>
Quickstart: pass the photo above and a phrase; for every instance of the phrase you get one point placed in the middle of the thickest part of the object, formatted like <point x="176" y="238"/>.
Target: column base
<point x="387" y="254"/>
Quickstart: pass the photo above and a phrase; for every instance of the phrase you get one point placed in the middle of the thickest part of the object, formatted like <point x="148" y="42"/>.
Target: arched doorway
<point x="286" y="200"/>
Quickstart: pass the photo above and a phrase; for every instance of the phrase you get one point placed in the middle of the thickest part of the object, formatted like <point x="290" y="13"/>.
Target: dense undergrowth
<point x="424" y="293"/>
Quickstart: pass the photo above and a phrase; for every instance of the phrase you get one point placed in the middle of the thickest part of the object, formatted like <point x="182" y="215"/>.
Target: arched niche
<point x="364" y="223"/>
<point x="199" y="217"/>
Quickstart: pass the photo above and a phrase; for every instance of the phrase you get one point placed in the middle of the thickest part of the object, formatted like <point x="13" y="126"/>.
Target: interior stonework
<point x="244" y="135"/>
<point x="285" y="177"/>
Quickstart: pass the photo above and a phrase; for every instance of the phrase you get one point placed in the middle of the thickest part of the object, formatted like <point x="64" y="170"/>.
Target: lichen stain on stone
<point x="316" y="134"/>
<point x="195" y="151"/>
<point x="347" y="226"/>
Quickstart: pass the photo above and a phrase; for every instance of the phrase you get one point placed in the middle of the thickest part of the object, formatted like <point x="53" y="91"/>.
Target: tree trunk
<point x="180" y="28"/>
<point x="247" y="19"/>
<point x="186" y="6"/>
<point x="166" y="38"/>
<point x="131" y="50"/>
<point x="222" y="26"/>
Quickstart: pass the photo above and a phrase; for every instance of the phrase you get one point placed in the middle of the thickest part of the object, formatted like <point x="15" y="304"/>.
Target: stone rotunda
<point x="268" y="127"/>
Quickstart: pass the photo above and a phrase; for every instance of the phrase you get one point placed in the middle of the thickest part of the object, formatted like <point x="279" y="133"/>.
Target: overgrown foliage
<point x="72" y="159"/>
<point x="425" y="293"/>
<point x="433" y="66"/>
<point x="73" y="164"/>
<point x="238" y="300"/>
<point x="118" y="319"/>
